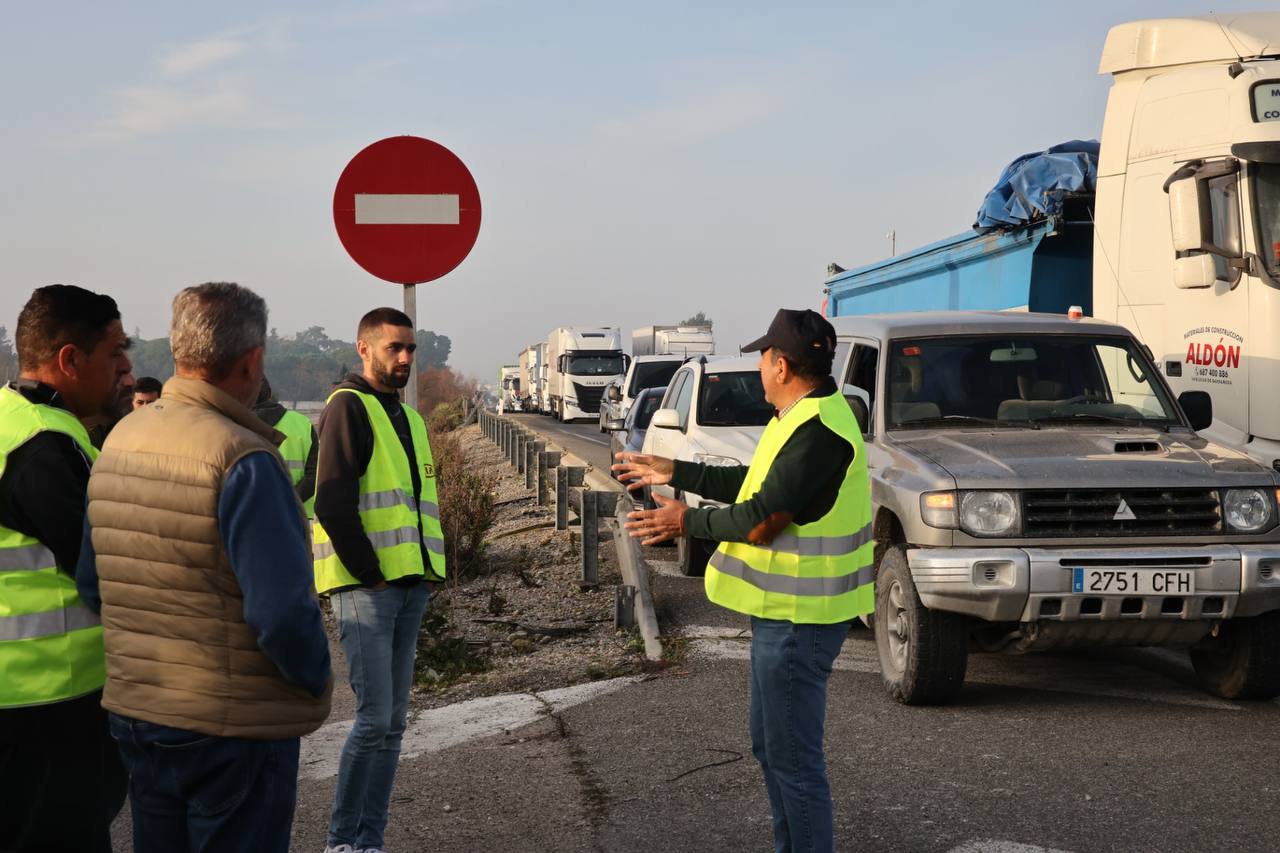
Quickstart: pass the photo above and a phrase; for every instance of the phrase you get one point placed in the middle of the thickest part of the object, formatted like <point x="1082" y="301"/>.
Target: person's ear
<point x="70" y="361"/>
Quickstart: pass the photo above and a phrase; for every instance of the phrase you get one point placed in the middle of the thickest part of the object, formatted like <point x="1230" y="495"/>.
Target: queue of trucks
<point x="582" y="372"/>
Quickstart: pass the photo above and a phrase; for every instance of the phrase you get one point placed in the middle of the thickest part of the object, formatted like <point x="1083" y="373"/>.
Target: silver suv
<point x="1036" y="486"/>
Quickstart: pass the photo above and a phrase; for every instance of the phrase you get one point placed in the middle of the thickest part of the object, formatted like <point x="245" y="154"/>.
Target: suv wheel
<point x="1243" y="661"/>
<point x="923" y="653"/>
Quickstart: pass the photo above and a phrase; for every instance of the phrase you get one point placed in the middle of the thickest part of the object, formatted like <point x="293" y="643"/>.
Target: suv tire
<point x="1243" y="661"/>
<point x="923" y="652"/>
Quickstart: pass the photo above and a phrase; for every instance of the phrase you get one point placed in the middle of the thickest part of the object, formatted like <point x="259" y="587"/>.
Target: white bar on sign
<point x="406" y="209"/>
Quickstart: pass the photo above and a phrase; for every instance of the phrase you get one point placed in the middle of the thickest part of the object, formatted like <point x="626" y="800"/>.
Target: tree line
<point x="304" y="366"/>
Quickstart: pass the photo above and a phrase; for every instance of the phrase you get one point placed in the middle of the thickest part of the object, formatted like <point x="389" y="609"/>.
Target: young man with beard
<point x="377" y="540"/>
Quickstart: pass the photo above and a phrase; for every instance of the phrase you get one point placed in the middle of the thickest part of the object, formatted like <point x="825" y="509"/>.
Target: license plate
<point x="1133" y="581"/>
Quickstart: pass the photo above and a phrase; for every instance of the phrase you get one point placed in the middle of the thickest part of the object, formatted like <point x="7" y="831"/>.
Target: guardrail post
<point x="531" y="463"/>
<point x="624" y="606"/>
<point x="562" y="498"/>
<point x="548" y="460"/>
<point x="502" y="435"/>
<point x="517" y="448"/>
<point x="590" y="540"/>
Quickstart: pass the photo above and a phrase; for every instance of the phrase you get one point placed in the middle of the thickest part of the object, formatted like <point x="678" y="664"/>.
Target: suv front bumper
<point x="1031" y="584"/>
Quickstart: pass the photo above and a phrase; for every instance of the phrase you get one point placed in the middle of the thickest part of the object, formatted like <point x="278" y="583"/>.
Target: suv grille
<point x="589" y="397"/>
<point x="1121" y="512"/>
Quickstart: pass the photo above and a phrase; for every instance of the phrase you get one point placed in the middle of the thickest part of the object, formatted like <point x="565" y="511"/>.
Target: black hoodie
<point x="346" y="446"/>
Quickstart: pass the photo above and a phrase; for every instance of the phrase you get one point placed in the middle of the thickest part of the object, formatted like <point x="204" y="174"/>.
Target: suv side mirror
<point x="666" y="419"/>
<point x="613" y="393"/>
<point x="1199" y="408"/>
<point x="615" y="425"/>
<point x="860" y="413"/>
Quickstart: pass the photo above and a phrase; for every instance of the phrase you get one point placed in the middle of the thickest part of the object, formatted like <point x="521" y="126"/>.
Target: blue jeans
<point x="790" y="665"/>
<point x="195" y="792"/>
<point x="379" y="635"/>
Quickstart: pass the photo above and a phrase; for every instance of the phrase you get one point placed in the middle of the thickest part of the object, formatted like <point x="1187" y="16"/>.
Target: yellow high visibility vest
<point x="394" y="518"/>
<point x="50" y="642"/>
<point x="816" y="573"/>
<point x="295" y="449"/>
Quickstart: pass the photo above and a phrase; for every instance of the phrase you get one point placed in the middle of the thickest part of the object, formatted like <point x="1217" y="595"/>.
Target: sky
<point x="636" y="162"/>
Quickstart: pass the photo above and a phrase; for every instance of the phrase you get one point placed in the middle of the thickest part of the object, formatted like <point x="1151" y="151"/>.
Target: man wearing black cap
<point x="795" y="555"/>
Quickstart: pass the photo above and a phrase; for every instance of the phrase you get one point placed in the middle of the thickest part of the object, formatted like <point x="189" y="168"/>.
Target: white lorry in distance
<point x="687" y="341"/>
<point x="581" y="361"/>
<point x="1182" y="233"/>
<point x="529" y="369"/>
<point x="542" y="404"/>
<point x="509" y="388"/>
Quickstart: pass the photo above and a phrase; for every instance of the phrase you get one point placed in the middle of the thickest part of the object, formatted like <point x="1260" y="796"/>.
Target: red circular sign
<point x="407" y="209"/>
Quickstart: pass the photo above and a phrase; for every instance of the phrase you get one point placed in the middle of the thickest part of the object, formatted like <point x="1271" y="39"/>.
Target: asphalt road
<point x="581" y="438"/>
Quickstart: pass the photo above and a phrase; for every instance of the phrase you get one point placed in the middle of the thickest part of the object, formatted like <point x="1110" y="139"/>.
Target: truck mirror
<point x="1194" y="271"/>
<point x="1199" y="408"/>
<point x="1185" y="208"/>
<point x="613" y="393"/>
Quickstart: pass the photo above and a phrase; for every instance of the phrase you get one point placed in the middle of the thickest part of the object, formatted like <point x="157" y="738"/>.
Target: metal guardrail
<point x="529" y="453"/>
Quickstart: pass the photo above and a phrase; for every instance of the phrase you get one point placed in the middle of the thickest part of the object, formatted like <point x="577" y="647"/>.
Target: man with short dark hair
<point x="795" y="555"/>
<point x="196" y="552"/>
<point x="61" y="780"/>
<point x="146" y="390"/>
<point x="377" y="540"/>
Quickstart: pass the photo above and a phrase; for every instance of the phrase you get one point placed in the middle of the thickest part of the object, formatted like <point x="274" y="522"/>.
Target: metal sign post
<point x="411" y="308"/>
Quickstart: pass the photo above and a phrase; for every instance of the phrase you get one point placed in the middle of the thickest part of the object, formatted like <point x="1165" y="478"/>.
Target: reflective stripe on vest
<point x="50" y="642"/>
<point x="399" y="524"/>
<point x="821" y="572"/>
<point x="295" y="449"/>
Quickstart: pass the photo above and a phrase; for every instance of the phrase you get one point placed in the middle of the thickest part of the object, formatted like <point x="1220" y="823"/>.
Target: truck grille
<point x="589" y="397"/>
<point x="1121" y="512"/>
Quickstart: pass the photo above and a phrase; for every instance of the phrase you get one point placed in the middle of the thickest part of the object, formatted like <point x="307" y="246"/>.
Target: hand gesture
<point x="652" y="526"/>
<point x="641" y="469"/>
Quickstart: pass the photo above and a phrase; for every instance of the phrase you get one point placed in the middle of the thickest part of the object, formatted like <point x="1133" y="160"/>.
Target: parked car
<point x="1035" y="485"/>
<point x="628" y="433"/>
<point x="645" y="371"/>
<point x="713" y="412"/>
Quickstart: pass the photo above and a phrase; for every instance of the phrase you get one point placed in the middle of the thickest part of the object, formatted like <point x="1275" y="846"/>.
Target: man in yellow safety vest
<point x="61" y="779"/>
<point x="377" y="540"/>
<point x="299" y="447"/>
<point x="795" y="555"/>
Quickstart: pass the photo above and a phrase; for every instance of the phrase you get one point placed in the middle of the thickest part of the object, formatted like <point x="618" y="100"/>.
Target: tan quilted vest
<point x="178" y="650"/>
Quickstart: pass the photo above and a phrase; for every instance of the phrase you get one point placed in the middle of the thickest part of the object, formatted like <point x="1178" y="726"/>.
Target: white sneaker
<point x="340" y="848"/>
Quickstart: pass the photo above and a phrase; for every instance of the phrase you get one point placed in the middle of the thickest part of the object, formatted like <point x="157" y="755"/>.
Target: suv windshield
<point x="608" y="364"/>
<point x="1007" y="381"/>
<point x="652" y="374"/>
<point x="733" y="399"/>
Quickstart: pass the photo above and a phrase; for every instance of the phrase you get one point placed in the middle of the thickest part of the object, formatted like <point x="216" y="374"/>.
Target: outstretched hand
<point x="652" y="526"/>
<point x="641" y="469"/>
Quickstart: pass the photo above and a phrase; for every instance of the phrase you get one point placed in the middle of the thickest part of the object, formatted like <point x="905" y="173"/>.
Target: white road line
<point x="440" y="728"/>
<point x="988" y="845"/>
<point x="406" y="209"/>
<point x="589" y="438"/>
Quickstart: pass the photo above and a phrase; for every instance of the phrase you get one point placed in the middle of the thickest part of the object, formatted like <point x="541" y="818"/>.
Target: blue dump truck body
<point x="1031" y="248"/>
<point x="1045" y="266"/>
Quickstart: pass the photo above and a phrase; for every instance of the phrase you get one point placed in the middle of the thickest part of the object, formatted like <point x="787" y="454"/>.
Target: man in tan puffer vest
<point x="217" y="662"/>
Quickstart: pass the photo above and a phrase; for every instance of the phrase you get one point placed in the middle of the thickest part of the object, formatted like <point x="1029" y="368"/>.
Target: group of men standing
<point x="159" y="627"/>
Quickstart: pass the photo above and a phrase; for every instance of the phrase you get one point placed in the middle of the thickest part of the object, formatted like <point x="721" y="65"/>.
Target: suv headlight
<point x="1246" y="510"/>
<point x="989" y="513"/>
<point x="713" y="459"/>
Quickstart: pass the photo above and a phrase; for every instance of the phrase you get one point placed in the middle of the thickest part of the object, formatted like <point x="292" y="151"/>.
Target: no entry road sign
<point x="407" y="209"/>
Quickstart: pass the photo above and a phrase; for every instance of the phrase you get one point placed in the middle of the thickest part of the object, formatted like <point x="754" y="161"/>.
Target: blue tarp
<point x="1031" y="187"/>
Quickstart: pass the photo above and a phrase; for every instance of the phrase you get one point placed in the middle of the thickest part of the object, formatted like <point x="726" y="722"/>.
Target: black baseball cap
<point x="803" y="334"/>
